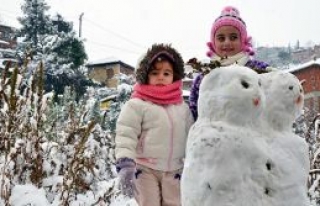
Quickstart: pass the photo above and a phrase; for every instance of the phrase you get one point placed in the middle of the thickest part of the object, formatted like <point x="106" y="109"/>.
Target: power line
<point x="111" y="46"/>
<point x="91" y="22"/>
<point x="114" y="33"/>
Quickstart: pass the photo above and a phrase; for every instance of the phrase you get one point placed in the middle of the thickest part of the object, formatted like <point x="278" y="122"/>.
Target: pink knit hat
<point x="230" y="16"/>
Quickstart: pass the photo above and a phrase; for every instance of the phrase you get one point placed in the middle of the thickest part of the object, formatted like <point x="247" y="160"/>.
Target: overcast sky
<point x="126" y="28"/>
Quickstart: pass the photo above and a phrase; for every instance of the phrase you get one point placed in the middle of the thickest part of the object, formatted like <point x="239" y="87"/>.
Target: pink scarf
<point x="168" y="94"/>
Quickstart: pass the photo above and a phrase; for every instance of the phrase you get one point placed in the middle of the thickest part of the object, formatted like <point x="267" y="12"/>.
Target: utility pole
<point x="80" y="24"/>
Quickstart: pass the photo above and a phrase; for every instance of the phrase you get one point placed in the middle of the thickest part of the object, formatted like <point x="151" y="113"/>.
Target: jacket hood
<point x="152" y="54"/>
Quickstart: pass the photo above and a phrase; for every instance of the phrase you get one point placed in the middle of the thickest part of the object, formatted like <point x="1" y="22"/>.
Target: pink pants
<point x="157" y="188"/>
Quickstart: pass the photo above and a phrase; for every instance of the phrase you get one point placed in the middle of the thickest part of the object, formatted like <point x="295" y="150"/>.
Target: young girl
<point x="152" y="130"/>
<point x="229" y="44"/>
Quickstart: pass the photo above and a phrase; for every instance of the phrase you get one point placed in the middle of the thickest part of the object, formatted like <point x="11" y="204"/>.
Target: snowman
<point x="230" y="157"/>
<point x="289" y="158"/>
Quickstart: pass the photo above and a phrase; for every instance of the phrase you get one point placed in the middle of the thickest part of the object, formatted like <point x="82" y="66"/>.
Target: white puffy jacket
<point x="153" y="135"/>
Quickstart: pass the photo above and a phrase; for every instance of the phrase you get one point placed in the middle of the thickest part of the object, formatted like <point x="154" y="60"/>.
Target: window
<point x="110" y="73"/>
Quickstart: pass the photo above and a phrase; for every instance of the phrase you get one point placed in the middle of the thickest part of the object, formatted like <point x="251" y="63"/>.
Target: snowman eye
<point x="259" y="83"/>
<point x="291" y="87"/>
<point x="245" y="84"/>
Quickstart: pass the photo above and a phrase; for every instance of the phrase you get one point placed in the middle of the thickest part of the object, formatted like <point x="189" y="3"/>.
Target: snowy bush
<point x="51" y="150"/>
<point x="313" y="138"/>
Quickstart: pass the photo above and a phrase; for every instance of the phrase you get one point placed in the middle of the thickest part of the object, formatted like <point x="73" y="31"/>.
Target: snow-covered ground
<point x="254" y="146"/>
<point x="23" y="195"/>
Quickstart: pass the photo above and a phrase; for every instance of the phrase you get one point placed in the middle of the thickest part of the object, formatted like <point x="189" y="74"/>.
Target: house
<point x="8" y="40"/>
<point x="309" y="72"/>
<point x="8" y="43"/>
<point x="106" y="102"/>
<point x="303" y="55"/>
<point x="107" y="70"/>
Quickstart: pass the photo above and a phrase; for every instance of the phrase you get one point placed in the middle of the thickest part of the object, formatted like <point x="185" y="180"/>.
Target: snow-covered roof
<point x="4" y="42"/>
<point x="304" y="65"/>
<point x="104" y="61"/>
<point x="108" y="98"/>
<point x="7" y="50"/>
<point x="108" y="60"/>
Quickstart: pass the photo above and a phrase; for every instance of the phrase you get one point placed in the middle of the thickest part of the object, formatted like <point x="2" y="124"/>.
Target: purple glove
<point x="126" y="169"/>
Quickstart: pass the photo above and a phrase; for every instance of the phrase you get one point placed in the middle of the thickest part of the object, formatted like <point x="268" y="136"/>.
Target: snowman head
<point x="232" y="94"/>
<point x="284" y="98"/>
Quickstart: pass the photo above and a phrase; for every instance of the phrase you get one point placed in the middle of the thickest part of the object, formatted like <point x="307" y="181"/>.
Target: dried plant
<point x="81" y="156"/>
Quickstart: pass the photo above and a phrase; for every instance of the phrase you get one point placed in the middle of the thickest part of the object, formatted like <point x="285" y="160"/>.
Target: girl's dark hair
<point x="159" y="52"/>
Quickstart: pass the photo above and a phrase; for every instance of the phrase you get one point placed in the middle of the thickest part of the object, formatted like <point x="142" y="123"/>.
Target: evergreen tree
<point x="95" y="113"/>
<point x="68" y="49"/>
<point x="76" y="80"/>
<point x="35" y="23"/>
<point x="56" y="43"/>
<point x="124" y="92"/>
<point x="65" y="54"/>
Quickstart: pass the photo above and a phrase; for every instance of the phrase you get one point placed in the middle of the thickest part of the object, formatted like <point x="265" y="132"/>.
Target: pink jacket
<point x="153" y="135"/>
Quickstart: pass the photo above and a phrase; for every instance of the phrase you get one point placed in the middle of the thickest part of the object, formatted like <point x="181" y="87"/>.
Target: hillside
<point x="283" y="57"/>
